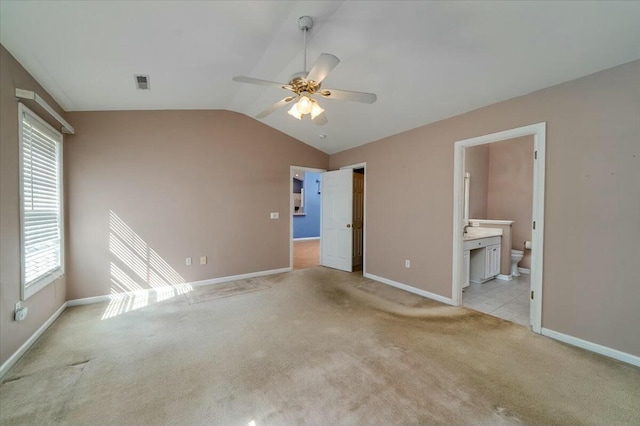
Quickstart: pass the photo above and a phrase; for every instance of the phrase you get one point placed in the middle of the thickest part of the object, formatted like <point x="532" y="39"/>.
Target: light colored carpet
<point x="220" y="291"/>
<point x="317" y="347"/>
<point x="306" y="254"/>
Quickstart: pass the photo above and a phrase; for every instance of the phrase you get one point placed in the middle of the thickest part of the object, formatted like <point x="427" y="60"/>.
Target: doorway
<point x="461" y="258"/>
<point x="305" y="211"/>
<point x="498" y="201"/>
<point x="357" y="252"/>
<point x="343" y="227"/>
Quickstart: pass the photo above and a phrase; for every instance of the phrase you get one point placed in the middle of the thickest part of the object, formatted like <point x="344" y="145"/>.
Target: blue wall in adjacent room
<point x="308" y="226"/>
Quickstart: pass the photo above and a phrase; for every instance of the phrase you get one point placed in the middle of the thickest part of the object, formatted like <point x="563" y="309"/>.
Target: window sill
<point x="40" y="284"/>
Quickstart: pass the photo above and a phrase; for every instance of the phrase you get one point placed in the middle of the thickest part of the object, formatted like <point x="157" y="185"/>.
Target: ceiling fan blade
<point x="323" y="66"/>
<point x="321" y="120"/>
<point x="275" y="106"/>
<point x="346" y="95"/>
<point x="242" y="79"/>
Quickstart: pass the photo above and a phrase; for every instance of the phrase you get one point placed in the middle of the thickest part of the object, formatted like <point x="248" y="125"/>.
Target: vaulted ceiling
<point x="426" y="61"/>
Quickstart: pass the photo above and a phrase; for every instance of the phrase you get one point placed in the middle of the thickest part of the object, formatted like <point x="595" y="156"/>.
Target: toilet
<point x="516" y="257"/>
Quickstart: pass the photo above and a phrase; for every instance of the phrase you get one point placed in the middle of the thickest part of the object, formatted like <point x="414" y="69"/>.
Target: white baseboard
<point x="504" y="277"/>
<point x="410" y="289"/>
<point x="89" y="300"/>
<point x="6" y="366"/>
<point x="593" y="347"/>
<point x="239" y="277"/>
<point x="306" y="239"/>
<point x="526" y="271"/>
<point x="109" y="297"/>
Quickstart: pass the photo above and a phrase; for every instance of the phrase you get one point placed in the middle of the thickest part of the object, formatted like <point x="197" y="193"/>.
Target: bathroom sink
<point x="477" y="232"/>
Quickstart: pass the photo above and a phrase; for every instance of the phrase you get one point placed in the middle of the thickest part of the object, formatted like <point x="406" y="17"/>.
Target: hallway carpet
<point x="315" y="346"/>
<point x="306" y="254"/>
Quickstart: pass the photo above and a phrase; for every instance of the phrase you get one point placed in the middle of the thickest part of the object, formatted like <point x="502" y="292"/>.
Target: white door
<point x="337" y="214"/>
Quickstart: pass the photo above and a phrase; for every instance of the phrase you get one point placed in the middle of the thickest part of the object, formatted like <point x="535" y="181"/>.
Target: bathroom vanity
<point x="481" y="255"/>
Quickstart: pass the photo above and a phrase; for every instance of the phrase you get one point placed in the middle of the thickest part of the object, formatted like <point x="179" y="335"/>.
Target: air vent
<point x="142" y="82"/>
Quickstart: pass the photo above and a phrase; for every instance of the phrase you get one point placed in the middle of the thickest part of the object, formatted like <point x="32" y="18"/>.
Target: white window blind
<point x="41" y="202"/>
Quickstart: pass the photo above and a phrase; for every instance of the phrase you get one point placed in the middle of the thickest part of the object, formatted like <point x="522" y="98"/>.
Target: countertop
<point x="477" y="232"/>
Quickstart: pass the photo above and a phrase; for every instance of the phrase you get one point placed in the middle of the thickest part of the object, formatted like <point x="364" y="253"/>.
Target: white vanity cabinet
<point x="484" y="258"/>
<point x="492" y="259"/>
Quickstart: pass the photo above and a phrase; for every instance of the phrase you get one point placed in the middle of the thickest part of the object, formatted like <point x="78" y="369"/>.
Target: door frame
<point x="538" y="131"/>
<point x="364" y="225"/>
<point x="291" y="203"/>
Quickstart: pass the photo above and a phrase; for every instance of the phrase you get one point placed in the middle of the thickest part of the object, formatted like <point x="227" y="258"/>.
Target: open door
<point x="358" y="220"/>
<point x="337" y="214"/>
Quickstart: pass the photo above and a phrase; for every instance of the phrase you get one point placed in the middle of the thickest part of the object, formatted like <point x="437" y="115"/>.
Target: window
<point x="40" y="202"/>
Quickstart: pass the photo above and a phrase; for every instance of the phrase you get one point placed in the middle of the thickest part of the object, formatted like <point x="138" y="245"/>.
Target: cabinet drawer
<point x="480" y="243"/>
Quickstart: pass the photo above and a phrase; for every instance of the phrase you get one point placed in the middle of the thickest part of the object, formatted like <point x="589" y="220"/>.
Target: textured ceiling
<point x="425" y="60"/>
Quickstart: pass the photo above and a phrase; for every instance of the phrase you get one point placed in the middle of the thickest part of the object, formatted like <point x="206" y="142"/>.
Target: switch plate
<point x="275" y="215"/>
<point x="203" y="260"/>
<point x="407" y="263"/>
<point x="187" y="261"/>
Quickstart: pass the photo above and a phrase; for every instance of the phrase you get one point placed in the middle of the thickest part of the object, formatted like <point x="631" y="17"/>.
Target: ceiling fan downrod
<point x="305" y="23"/>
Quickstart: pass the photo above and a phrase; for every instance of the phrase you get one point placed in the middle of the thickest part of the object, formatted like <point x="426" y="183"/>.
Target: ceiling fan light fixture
<point x="305" y="105"/>
<point x="294" y="112"/>
<point x="316" y="109"/>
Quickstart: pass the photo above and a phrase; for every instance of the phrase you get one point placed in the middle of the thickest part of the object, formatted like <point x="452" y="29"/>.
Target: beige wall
<point x="44" y="303"/>
<point x="476" y="161"/>
<point x="510" y="183"/>
<point x="592" y="202"/>
<point x="177" y="184"/>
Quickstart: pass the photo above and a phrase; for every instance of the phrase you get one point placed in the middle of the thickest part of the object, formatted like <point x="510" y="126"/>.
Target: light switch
<point x="275" y="215"/>
<point x="203" y="260"/>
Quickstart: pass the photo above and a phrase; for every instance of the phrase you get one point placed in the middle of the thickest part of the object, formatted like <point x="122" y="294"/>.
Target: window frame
<point x="26" y="291"/>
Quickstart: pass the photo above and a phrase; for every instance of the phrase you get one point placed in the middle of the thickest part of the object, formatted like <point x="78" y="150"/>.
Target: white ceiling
<point x="425" y="60"/>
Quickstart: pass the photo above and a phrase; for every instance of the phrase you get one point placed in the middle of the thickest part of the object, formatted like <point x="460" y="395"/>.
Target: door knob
<point x="348" y="225"/>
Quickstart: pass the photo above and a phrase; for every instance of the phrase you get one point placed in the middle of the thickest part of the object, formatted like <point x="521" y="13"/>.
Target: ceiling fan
<point x="305" y="85"/>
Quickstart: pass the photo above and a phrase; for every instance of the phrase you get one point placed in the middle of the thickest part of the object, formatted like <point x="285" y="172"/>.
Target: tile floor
<point x="503" y="299"/>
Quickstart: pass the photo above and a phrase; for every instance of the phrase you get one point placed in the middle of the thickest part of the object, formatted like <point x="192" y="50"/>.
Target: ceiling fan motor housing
<point x="305" y="23"/>
<point x="300" y="84"/>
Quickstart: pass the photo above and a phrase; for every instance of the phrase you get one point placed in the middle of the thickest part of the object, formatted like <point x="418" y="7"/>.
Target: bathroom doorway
<point x="304" y="211"/>
<point x="498" y="202"/>
<point x="485" y="272"/>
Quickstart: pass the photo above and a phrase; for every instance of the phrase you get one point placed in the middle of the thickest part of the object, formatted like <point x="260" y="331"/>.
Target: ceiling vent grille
<point x="142" y="82"/>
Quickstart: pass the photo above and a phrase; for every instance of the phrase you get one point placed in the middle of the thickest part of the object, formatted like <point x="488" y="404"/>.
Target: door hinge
<point x="534" y="224"/>
<point x="535" y="155"/>
<point x="531" y="294"/>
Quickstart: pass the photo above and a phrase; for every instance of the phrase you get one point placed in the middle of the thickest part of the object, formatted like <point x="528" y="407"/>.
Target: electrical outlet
<point x="407" y="263"/>
<point x="21" y="313"/>
<point x="187" y="261"/>
<point x="203" y="260"/>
